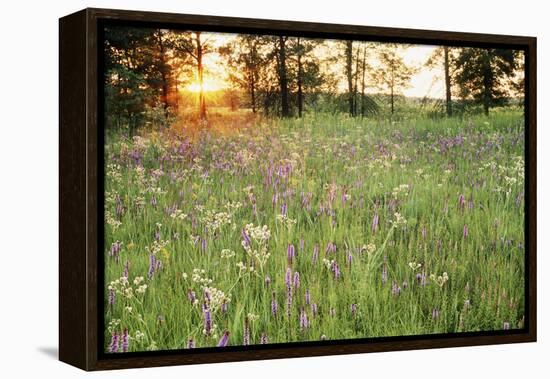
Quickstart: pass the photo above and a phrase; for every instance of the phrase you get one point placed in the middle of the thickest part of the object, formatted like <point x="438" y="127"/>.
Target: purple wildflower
<point x="192" y="297"/>
<point x="224" y="306"/>
<point x="204" y="244"/>
<point x="350" y="258"/>
<point x="207" y="321"/>
<point x="158" y="265"/>
<point x="274" y="305"/>
<point x="190" y="343"/>
<point x="289" y="301"/>
<point x="113" y="347"/>
<point x="112" y="297"/>
<point x="461" y="201"/>
<point x="126" y="269"/>
<point x="465" y="231"/>
<point x="115" y="250"/>
<point x="307" y="296"/>
<point x="395" y="289"/>
<point x="288" y="278"/>
<point x="335" y="270"/>
<point x="296" y="280"/>
<point x="315" y="255"/>
<point x="263" y="339"/>
<point x="152" y="263"/>
<point x="284" y="209"/>
<point x="125" y="340"/>
<point x="223" y="342"/>
<point x="421" y="279"/>
<point x="290" y="253"/>
<point x="246" y="239"/>
<point x="314" y="309"/>
<point x="384" y="274"/>
<point x="331" y="248"/>
<point x="304" y="322"/>
<point x="267" y="280"/>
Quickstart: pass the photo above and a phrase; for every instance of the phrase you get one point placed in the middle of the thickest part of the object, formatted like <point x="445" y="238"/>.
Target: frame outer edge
<point x="72" y="218"/>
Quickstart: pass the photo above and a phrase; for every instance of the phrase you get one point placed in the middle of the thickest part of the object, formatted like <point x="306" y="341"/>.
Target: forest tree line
<point x="147" y="71"/>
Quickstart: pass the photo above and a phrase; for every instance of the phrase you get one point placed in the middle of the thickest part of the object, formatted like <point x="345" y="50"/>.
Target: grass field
<point x="325" y="227"/>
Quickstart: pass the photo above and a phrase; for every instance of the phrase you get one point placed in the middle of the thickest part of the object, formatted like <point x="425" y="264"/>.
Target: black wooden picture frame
<point x="81" y="191"/>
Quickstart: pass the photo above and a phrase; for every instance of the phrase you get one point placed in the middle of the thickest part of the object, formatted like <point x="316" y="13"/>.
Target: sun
<point x="209" y="85"/>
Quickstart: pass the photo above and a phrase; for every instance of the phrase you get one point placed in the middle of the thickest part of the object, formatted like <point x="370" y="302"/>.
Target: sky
<point x="425" y="83"/>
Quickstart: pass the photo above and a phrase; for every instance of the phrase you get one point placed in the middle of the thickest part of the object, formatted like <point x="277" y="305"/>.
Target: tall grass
<point x="448" y="195"/>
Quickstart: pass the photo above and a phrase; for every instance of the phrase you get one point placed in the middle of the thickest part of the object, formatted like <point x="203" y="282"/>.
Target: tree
<point x="445" y="57"/>
<point x="485" y="75"/>
<point x="283" y="80"/>
<point x="392" y="75"/>
<point x="191" y="43"/>
<point x="245" y="60"/>
<point x="349" y="75"/>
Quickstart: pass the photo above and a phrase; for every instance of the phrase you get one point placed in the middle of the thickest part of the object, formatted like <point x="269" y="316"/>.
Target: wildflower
<point x="288" y="301"/>
<point x="440" y="280"/>
<point x="395" y="289"/>
<point x="353" y="309"/>
<point x="263" y="339"/>
<point x="414" y="266"/>
<point x="125" y="340"/>
<point x="384" y="274"/>
<point x="307" y="296"/>
<point x="152" y="263"/>
<point x="288" y="278"/>
<point x="274" y="305"/>
<point x="246" y="332"/>
<point x="315" y="255"/>
<point x="126" y="269"/>
<point x="267" y="280"/>
<point x="405" y="285"/>
<point x="465" y="231"/>
<point x="461" y="201"/>
<point x="314" y="309"/>
<point x="304" y="322"/>
<point x="191" y="343"/>
<point x="223" y="342"/>
<point x="111" y="297"/>
<point x="207" y="321"/>
<point x="331" y="248"/>
<point x="335" y="270"/>
<point x="290" y="253"/>
<point x="114" y="252"/>
<point x="113" y="346"/>
<point x="296" y="280"/>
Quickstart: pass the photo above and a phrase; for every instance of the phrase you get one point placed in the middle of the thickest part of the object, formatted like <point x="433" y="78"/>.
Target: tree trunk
<point x="392" y="84"/>
<point x="448" y="99"/>
<point x="285" y="111"/>
<point x="363" y="70"/>
<point x="300" y="94"/>
<point x="163" y="75"/>
<point x="200" y="74"/>
<point x="349" y="74"/>
<point x="355" y="83"/>
<point x="253" y="92"/>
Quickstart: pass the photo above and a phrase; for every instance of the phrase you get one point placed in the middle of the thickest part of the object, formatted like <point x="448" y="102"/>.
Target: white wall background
<point x="29" y="177"/>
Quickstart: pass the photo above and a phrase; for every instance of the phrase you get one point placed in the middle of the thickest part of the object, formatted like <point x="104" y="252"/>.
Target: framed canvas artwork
<point x="237" y="189"/>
